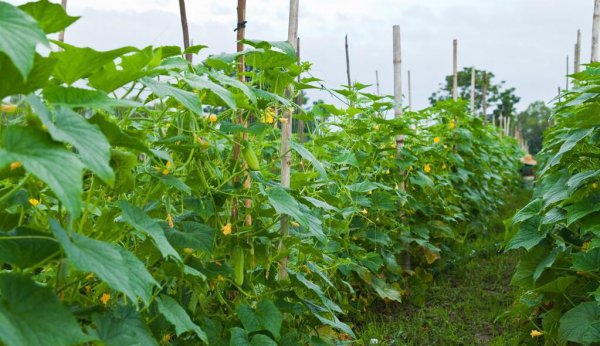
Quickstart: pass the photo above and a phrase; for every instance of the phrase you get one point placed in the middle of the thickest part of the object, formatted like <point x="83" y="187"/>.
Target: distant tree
<point x="499" y="100"/>
<point x="533" y="121"/>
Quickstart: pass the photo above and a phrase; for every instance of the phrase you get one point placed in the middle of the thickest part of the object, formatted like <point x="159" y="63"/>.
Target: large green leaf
<point x="571" y="141"/>
<point x="331" y="306"/>
<point x="581" y="209"/>
<point x="532" y="209"/>
<point x="581" y="324"/>
<point x="559" y="285"/>
<point x="240" y="337"/>
<point x="175" y="314"/>
<point x="321" y="204"/>
<point x="19" y="35"/>
<point x="27" y="247"/>
<point x="51" y="17"/>
<point x="75" y="63"/>
<point x="117" y="136"/>
<point x="194" y="235"/>
<point x="578" y="179"/>
<point x="227" y="80"/>
<point x="189" y="99"/>
<point x="587" y="261"/>
<point x="121" y="326"/>
<point x="119" y="268"/>
<point x="307" y="155"/>
<point x="50" y="162"/>
<point x="131" y="68"/>
<point x="385" y="290"/>
<point x="200" y="83"/>
<point x="13" y="82"/>
<point x="284" y="203"/>
<point x="143" y="223"/>
<point x="528" y="265"/>
<point x="31" y="314"/>
<point x="70" y="127"/>
<point x="265" y="317"/>
<point x="528" y="235"/>
<point x="547" y="262"/>
<point x="77" y="97"/>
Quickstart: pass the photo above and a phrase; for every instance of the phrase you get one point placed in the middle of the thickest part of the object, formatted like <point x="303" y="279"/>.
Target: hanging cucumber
<point x="238" y="265"/>
<point x="250" y="157"/>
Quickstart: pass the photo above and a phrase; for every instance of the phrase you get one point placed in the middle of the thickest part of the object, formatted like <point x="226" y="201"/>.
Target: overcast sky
<point x="524" y="42"/>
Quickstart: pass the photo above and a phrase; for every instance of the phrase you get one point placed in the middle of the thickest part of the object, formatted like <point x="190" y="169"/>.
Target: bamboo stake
<point x="455" y="70"/>
<point x="409" y="92"/>
<point x="286" y="128"/>
<point x="567" y="75"/>
<point x="184" y="27"/>
<point x="473" y="90"/>
<point x="559" y="92"/>
<point x="484" y="96"/>
<point x="595" y="31"/>
<point x="398" y="112"/>
<point x="299" y="100"/>
<point x="61" y="35"/>
<point x="377" y="82"/>
<point x="397" y="75"/>
<point x="348" y="63"/>
<point x="577" y="58"/>
<point x="241" y="69"/>
<point x="241" y="64"/>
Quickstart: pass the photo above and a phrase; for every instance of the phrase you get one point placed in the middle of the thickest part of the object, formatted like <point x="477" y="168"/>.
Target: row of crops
<point x="137" y="208"/>
<point x="560" y="227"/>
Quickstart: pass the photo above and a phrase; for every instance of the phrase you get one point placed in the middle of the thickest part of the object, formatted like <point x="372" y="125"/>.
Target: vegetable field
<point x="146" y="199"/>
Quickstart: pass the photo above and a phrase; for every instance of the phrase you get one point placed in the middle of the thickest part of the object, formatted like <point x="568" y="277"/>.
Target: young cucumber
<point x="238" y="265"/>
<point x="250" y="157"/>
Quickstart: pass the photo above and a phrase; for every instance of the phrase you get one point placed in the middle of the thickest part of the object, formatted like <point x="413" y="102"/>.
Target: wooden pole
<point x="377" y="82"/>
<point x="286" y="128"/>
<point x="567" y="75"/>
<point x="595" y="30"/>
<point x="559" y="92"/>
<point x="484" y="96"/>
<point x="241" y="69"/>
<point x="184" y="27"/>
<point x="397" y="73"/>
<point x="409" y="92"/>
<point x="473" y="90"/>
<point x="577" y="62"/>
<point x="455" y="70"/>
<point x="61" y="35"/>
<point x="398" y="112"/>
<point x="299" y="99"/>
<point x="348" y="63"/>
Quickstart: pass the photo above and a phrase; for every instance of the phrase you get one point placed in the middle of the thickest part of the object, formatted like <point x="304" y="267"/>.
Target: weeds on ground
<point x="462" y="303"/>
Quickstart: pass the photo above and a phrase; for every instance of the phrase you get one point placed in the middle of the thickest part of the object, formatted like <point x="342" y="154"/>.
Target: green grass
<point x="462" y="304"/>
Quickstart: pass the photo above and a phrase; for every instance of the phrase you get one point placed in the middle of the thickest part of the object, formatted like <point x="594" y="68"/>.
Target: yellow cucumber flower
<point x="15" y="165"/>
<point x="170" y="221"/>
<point x="105" y="298"/>
<point x="226" y="229"/>
<point x="10" y="108"/>
<point x="535" y="333"/>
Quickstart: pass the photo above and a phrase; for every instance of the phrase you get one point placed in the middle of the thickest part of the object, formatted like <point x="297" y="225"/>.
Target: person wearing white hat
<point x="528" y="170"/>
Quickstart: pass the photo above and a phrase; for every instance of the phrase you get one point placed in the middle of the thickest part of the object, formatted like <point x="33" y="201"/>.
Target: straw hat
<point x="528" y="160"/>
